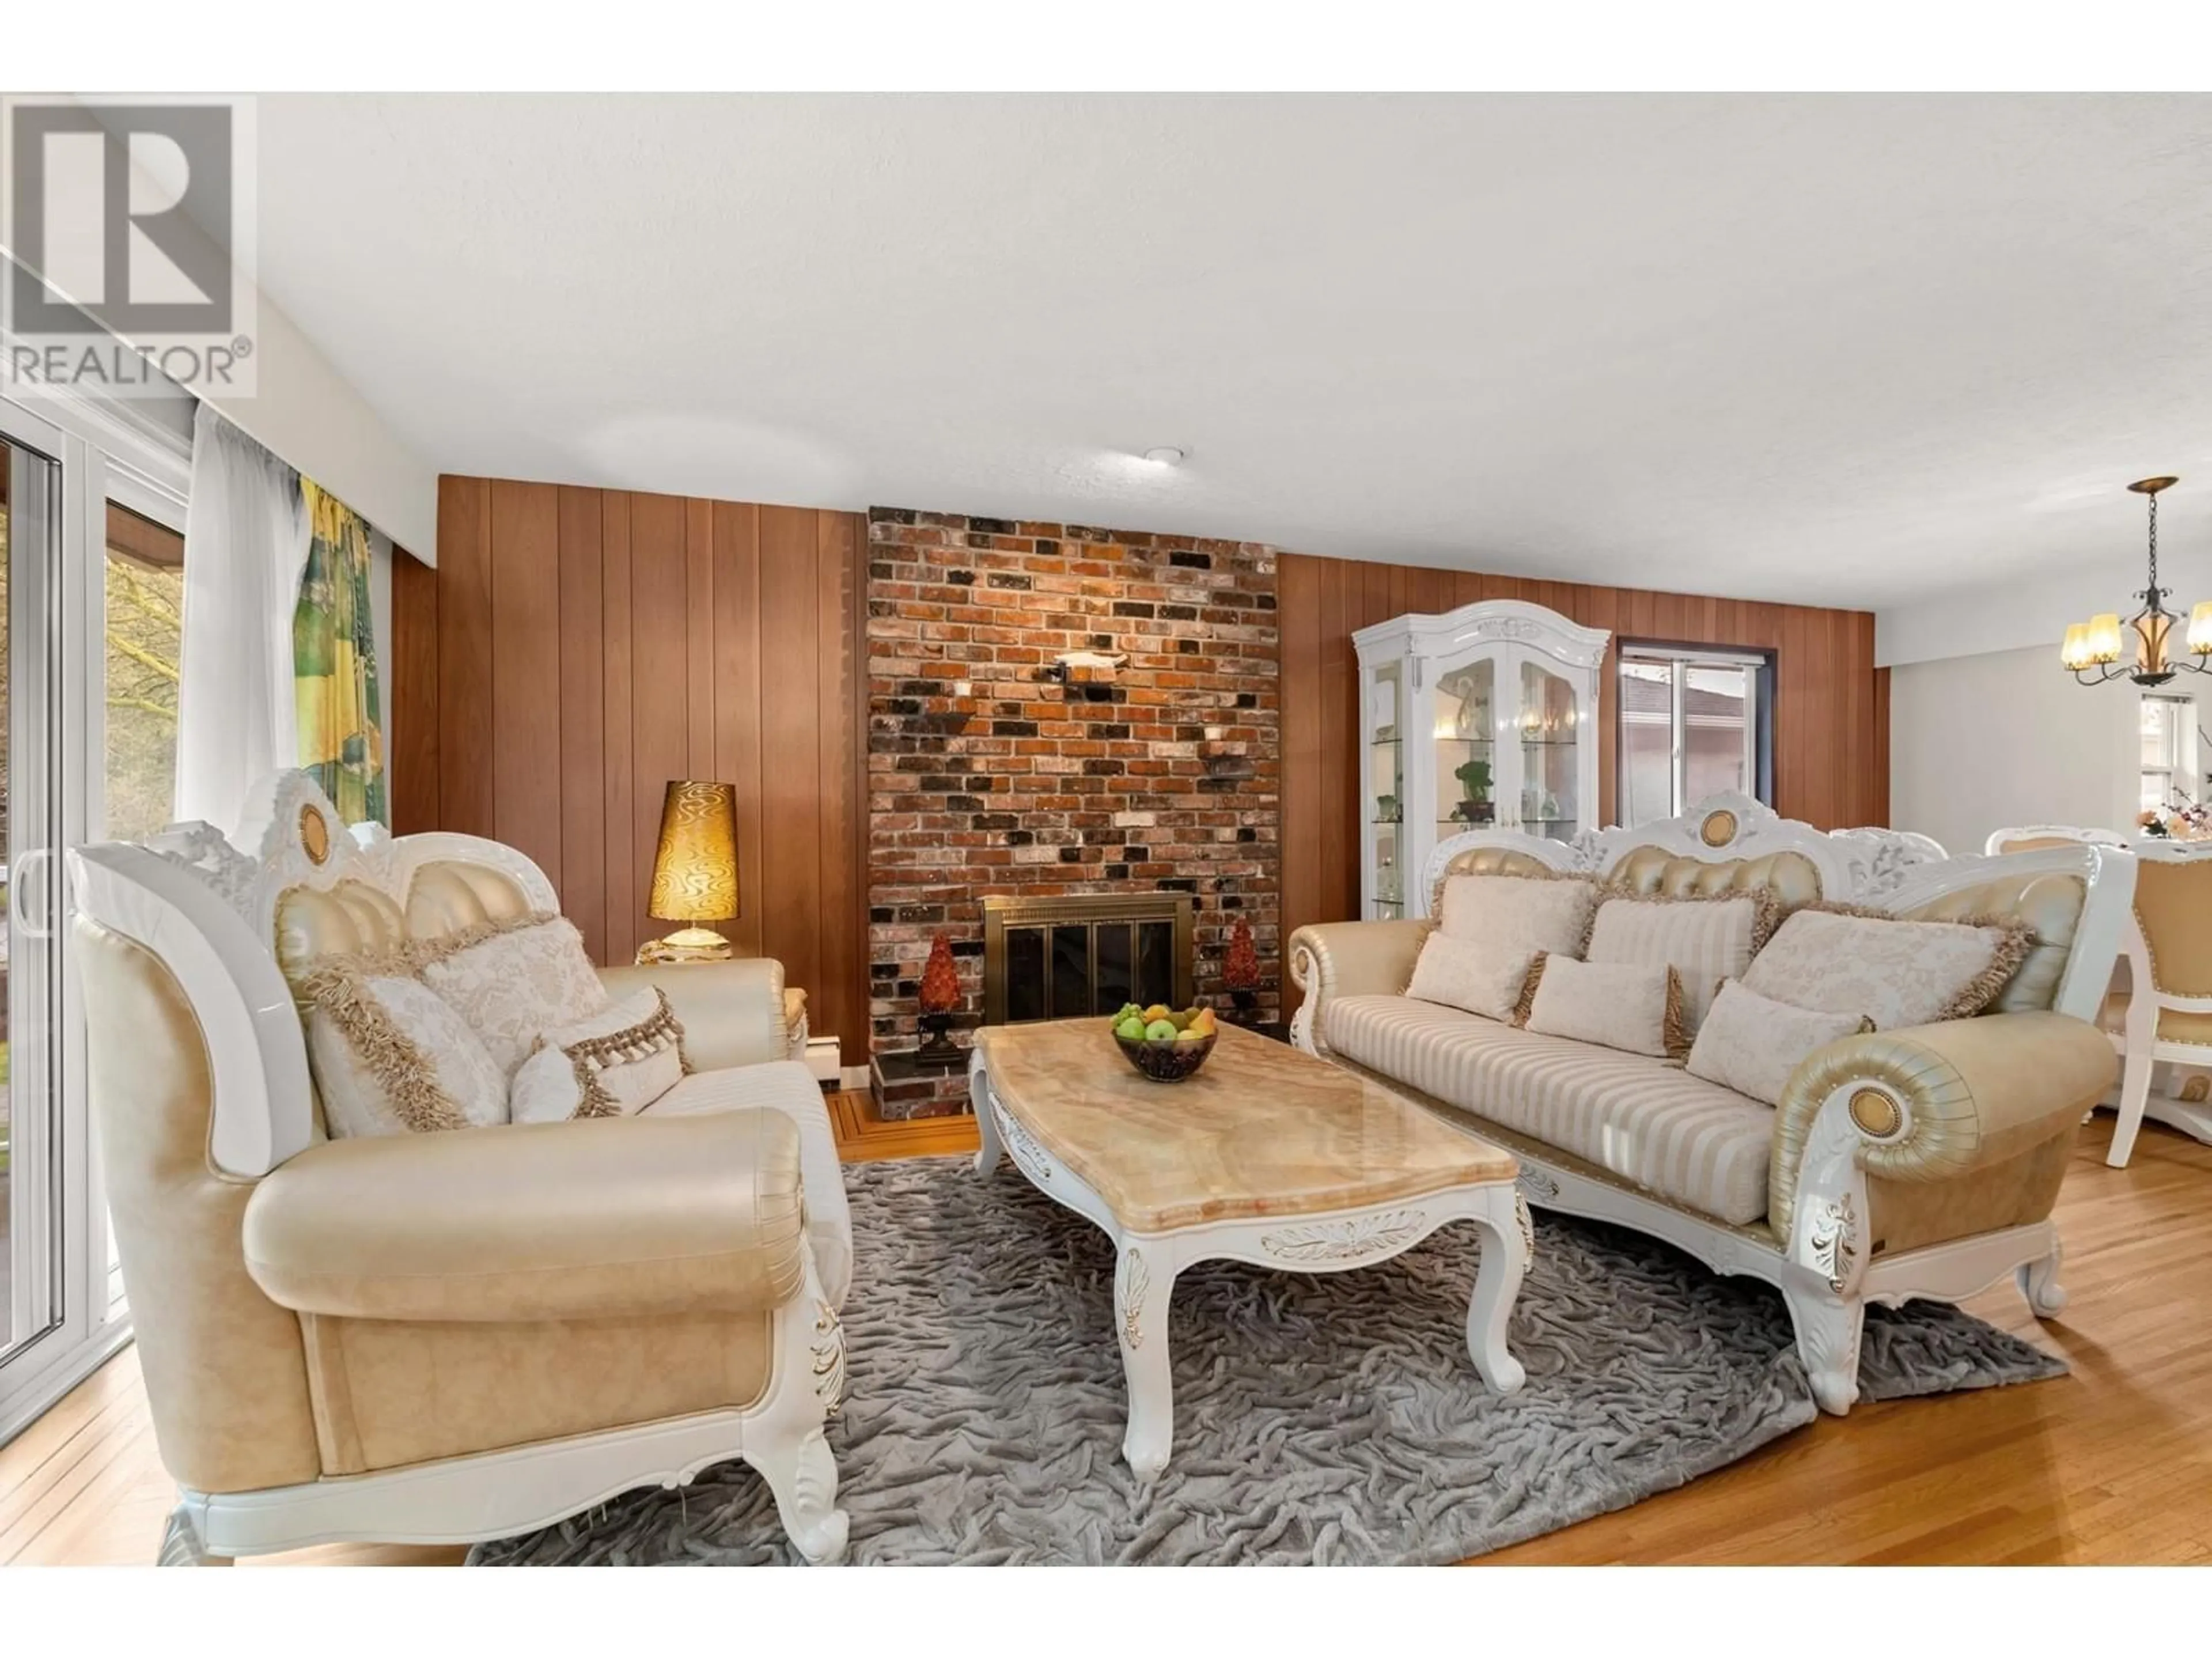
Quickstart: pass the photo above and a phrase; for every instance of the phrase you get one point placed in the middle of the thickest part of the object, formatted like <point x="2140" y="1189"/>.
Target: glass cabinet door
<point x="1465" y="742"/>
<point x="1548" y="722"/>
<point x="1383" y="810"/>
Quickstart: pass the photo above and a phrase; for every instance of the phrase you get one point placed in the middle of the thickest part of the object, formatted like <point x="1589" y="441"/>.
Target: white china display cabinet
<point x="1485" y="718"/>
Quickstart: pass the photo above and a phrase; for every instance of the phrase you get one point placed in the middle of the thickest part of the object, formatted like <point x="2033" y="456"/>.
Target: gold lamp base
<point x="687" y="945"/>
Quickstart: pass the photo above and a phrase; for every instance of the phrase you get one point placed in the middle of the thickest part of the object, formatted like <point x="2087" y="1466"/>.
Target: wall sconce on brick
<point x="1085" y="667"/>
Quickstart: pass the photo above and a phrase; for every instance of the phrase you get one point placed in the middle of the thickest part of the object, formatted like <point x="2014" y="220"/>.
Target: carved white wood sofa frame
<point x="1823" y="1268"/>
<point x="207" y="912"/>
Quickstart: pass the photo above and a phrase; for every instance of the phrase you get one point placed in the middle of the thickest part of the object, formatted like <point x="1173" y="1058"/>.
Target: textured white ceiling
<point x="1843" y="349"/>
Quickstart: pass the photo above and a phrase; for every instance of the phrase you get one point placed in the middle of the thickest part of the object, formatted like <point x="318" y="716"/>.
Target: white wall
<point x="2007" y="738"/>
<point x="2033" y="609"/>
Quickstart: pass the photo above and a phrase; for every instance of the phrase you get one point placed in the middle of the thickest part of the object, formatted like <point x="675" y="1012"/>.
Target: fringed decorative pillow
<point x="389" y="1057"/>
<point x="1633" y="1006"/>
<point x="1483" y="978"/>
<point x="617" y="1063"/>
<point x="1710" y="937"/>
<point x="1896" y="972"/>
<point x="512" y="980"/>
<point x="1522" y="912"/>
<point x="1751" y="1044"/>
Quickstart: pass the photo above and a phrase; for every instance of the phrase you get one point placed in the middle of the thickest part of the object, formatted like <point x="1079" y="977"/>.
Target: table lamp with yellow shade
<point x="695" y="872"/>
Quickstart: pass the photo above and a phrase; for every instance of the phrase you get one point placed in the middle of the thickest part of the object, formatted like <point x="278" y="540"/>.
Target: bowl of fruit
<point x="1166" y="1045"/>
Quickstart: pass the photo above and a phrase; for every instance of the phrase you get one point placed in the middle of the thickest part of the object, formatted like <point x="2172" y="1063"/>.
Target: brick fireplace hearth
<point x="986" y="775"/>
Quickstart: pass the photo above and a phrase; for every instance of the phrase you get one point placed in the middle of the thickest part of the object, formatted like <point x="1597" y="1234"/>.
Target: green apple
<point x="1161" y="1031"/>
<point x="1132" y="1028"/>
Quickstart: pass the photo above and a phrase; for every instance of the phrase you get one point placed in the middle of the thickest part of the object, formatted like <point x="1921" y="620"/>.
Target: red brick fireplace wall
<point x="986" y="776"/>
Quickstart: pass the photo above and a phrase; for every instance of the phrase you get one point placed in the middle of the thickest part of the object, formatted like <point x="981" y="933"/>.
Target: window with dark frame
<point x="1695" y="720"/>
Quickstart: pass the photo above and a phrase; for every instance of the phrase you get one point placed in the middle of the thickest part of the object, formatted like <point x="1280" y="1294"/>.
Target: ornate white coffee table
<point x="1267" y="1156"/>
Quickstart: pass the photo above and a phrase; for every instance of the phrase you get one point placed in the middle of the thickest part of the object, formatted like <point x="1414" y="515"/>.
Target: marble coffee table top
<point x="1264" y="1130"/>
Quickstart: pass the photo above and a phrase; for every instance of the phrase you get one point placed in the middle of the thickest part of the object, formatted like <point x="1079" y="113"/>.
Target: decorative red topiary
<point x="940" y="979"/>
<point x="1240" y="970"/>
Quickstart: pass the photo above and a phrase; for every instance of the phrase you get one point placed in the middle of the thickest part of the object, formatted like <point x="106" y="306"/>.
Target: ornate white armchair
<point x="448" y="1336"/>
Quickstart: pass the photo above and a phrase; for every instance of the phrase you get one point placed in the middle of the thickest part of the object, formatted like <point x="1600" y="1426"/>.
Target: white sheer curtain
<point x="246" y="544"/>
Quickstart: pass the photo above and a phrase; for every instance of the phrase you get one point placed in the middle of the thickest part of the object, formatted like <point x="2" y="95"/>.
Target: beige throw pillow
<point x="390" y="1058"/>
<point x="1751" y="1044"/>
<point x="1897" y="973"/>
<point x="1481" y="978"/>
<point x="618" y="1061"/>
<point x="512" y="980"/>
<point x="1710" y="938"/>
<point x="1522" y="913"/>
<point x="1634" y="1006"/>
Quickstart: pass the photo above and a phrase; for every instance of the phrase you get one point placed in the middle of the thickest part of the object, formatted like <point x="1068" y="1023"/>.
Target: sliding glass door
<point x="32" y="1144"/>
<point x="91" y="565"/>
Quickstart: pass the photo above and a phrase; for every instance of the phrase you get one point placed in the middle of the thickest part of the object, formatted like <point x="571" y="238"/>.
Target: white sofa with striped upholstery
<point x="1688" y="1140"/>
<point x="1900" y="1164"/>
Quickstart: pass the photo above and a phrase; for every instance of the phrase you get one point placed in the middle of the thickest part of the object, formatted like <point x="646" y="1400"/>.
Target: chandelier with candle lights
<point x="2095" y="650"/>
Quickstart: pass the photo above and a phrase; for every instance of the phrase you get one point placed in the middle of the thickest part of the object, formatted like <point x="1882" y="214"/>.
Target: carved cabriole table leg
<point x="987" y="1127"/>
<point x="1143" y="1277"/>
<point x="1508" y="1243"/>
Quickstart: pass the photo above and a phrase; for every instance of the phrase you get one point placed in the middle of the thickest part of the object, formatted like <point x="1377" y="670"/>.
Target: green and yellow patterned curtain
<point x="334" y="662"/>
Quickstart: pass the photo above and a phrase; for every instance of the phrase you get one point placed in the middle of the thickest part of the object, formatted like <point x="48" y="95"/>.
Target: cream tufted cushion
<point x="450" y="896"/>
<point x="1489" y="861"/>
<point x="353" y="918"/>
<point x="1793" y="878"/>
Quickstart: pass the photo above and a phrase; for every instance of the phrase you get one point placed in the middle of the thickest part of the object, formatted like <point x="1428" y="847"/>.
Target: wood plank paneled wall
<point x="576" y="649"/>
<point x="1831" y="730"/>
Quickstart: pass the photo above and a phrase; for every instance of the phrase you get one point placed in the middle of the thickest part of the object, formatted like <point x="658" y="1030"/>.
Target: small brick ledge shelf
<point x="986" y="775"/>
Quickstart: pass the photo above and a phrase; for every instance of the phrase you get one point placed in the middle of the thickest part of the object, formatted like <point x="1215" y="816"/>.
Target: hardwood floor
<point x="2111" y="1464"/>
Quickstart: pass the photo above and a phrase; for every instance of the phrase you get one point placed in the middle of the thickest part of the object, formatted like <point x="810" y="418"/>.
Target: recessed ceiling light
<point x="1164" y="455"/>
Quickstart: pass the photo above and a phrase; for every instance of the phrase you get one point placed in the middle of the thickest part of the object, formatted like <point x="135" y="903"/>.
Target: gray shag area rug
<point x="1325" y="1419"/>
